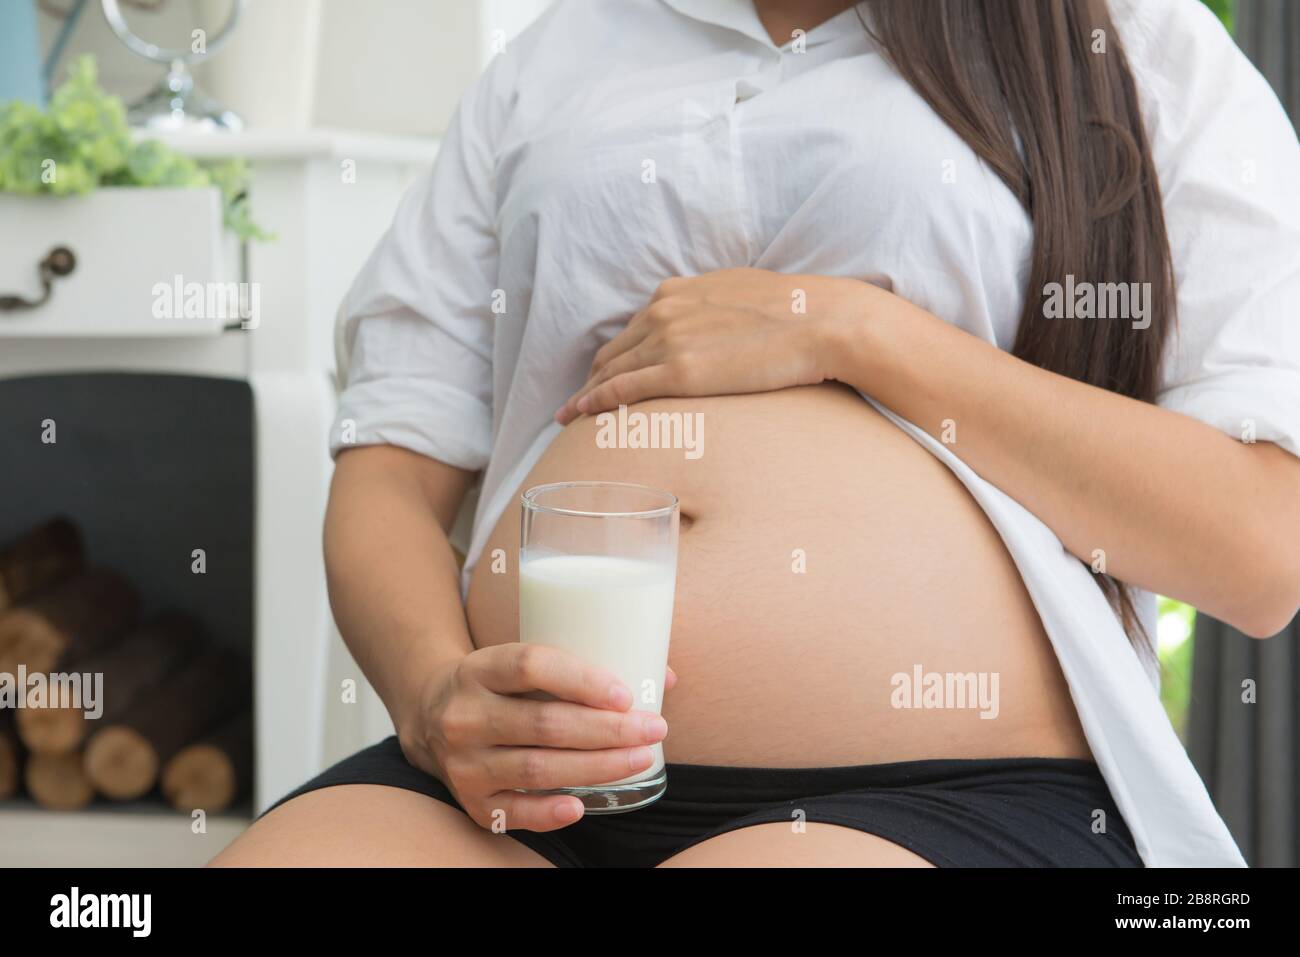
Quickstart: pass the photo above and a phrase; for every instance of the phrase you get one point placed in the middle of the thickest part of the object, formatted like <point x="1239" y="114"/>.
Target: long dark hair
<point x="1041" y="90"/>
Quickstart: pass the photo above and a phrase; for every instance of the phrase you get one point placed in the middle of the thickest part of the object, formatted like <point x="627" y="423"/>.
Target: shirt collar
<point x="740" y="16"/>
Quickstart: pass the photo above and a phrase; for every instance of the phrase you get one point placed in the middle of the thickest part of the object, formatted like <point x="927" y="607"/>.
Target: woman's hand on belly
<point x="1081" y="458"/>
<point x="484" y="733"/>
<point x="727" y="332"/>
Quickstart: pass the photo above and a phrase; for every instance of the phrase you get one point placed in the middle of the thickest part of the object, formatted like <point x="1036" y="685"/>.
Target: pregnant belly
<point x="841" y="599"/>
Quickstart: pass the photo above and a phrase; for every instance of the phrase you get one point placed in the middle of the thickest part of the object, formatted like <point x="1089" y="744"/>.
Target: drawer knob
<point x="59" y="261"/>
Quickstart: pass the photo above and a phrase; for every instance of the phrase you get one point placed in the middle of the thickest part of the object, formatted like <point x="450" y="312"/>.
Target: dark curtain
<point x="1269" y="32"/>
<point x="1249" y="753"/>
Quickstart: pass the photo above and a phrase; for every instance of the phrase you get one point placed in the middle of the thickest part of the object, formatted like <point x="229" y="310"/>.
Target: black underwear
<point x="1004" y="812"/>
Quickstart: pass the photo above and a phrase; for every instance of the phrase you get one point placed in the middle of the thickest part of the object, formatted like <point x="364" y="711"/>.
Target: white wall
<point x="390" y="66"/>
<point x="397" y="65"/>
<point x="509" y="17"/>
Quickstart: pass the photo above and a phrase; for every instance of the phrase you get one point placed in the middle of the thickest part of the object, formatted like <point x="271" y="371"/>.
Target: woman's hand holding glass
<point x="482" y="732"/>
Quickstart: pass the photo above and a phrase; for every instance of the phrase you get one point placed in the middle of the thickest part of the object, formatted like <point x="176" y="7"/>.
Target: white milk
<point x="612" y="612"/>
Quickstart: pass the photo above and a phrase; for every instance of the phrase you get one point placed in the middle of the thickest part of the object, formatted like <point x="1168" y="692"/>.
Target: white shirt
<point x="618" y="142"/>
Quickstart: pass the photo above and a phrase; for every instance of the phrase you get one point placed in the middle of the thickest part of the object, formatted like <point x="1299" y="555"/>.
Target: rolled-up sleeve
<point x="414" y="332"/>
<point x="1229" y="167"/>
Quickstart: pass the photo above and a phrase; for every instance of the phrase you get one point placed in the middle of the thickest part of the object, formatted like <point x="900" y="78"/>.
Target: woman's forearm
<point x="1168" y="503"/>
<point x="1174" y="505"/>
<point x="393" y="578"/>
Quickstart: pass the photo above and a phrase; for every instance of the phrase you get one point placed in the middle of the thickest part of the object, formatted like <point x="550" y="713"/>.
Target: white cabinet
<point x="132" y="251"/>
<point x="327" y="196"/>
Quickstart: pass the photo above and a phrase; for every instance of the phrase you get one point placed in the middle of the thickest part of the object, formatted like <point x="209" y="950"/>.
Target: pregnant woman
<point x="984" y="315"/>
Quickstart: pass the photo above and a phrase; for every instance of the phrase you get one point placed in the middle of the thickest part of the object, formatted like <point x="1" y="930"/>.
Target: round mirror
<point x="175" y="103"/>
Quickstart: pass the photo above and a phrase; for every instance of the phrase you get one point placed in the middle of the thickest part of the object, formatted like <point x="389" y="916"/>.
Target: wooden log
<point x="10" y="774"/>
<point x="47" y="554"/>
<point x="123" y="759"/>
<point x="58" y="781"/>
<point x="72" y="618"/>
<point x="51" y="730"/>
<point x="212" y="772"/>
<point x="130" y="668"/>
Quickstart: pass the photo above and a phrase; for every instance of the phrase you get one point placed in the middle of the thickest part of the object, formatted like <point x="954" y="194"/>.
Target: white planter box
<point x="131" y="245"/>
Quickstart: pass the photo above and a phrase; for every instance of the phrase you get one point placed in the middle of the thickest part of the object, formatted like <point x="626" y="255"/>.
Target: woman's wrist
<point x="848" y="336"/>
<point x="413" y="706"/>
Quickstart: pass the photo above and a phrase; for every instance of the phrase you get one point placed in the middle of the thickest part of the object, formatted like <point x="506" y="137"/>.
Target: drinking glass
<point x="597" y="572"/>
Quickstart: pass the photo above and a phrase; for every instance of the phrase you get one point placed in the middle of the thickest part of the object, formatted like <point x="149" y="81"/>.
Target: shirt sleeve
<point x="1229" y="163"/>
<point x="414" y="332"/>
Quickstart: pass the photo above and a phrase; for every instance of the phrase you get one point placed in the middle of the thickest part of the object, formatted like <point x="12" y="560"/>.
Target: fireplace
<point x="151" y="468"/>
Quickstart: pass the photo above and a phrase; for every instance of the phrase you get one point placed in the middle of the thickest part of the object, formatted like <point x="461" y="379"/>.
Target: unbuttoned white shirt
<point x="616" y="143"/>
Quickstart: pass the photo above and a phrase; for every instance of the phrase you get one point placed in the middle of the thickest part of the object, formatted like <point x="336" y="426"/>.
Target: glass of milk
<point x="597" y="570"/>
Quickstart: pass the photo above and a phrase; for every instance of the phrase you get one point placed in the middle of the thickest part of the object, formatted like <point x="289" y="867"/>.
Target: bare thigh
<point x="779" y="845"/>
<point x="369" y="825"/>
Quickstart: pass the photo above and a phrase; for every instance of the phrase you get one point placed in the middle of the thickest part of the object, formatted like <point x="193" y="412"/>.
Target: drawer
<point x="148" y="262"/>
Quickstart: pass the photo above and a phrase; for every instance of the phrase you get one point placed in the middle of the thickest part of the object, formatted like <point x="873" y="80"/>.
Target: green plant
<point x="82" y="141"/>
<point x="1175" y="631"/>
<point x="1223" y="9"/>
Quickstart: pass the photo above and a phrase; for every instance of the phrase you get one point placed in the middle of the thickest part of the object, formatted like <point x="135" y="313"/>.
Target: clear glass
<point x="597" y="574"/>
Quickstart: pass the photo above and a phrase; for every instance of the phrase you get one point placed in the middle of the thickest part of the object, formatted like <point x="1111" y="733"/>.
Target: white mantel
<point x="280" y="146"/>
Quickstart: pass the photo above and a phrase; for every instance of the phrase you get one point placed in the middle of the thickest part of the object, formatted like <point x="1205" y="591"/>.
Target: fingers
<point x="542" y="769"/>
<point x="510" y="810"/>
<point x="611" y="359"/>
<point x="627" y="388"/>
<point x="493" y="737"/>
<point x="560" y="724"/>
<point x="633" y="334"/>
<point x="497" y="772"/>
<point x="639" y="357"/>
<point x="670" y="679"/>
<point x="516" y="668"/>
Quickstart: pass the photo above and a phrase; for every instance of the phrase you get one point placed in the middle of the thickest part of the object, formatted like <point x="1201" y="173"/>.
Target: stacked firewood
<point x="176" y="711"/>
